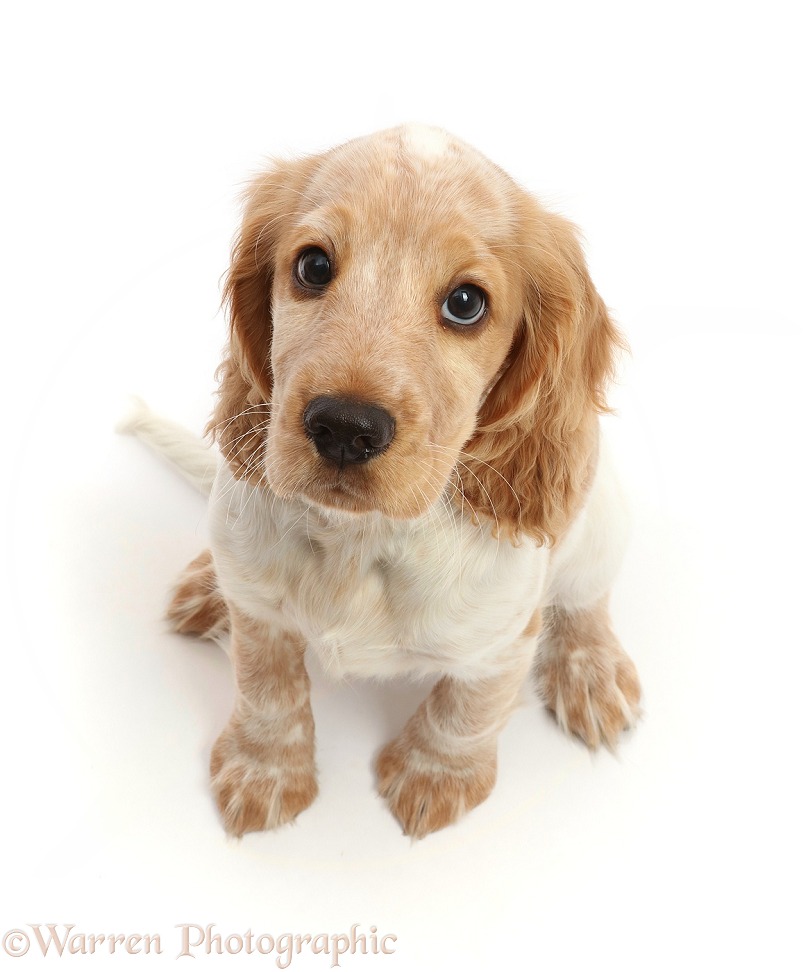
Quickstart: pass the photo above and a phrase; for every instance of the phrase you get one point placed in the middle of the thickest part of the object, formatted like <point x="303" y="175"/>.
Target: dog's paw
<point x="259" y="787"/>
<point x="593" y="694"/>
<point x="427" y="790"/>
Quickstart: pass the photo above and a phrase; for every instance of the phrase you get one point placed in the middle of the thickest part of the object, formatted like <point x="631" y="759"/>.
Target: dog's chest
<point x="384" y="597"/>
<point x="419" y="603"/>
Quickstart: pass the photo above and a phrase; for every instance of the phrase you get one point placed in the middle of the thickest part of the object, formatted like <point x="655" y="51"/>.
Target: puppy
<point x="412" y="481"/>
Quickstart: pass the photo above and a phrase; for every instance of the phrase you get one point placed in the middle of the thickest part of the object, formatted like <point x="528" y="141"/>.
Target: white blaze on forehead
<point x="431" y="143"/>
<point x="366" y="174"/>
<point x="490" y="192"/>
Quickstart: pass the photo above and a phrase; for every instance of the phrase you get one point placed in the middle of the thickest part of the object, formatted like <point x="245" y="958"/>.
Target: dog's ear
<point x="245" y="375"/>
<point x="535" y="445"/>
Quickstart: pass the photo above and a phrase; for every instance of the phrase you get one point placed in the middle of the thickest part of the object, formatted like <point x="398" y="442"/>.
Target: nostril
<point x="344" y="430"/>
<point x="320" y="431"/>
<point x="366" y="443"/>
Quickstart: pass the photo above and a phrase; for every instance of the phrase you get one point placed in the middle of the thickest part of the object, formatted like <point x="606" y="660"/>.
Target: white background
<point x="674" y="136"/>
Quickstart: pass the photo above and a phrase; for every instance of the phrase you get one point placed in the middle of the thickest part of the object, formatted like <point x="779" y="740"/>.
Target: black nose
<point x="347" y="431"/>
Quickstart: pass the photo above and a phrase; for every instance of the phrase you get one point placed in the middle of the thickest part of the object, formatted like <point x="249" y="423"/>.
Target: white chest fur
<point x="373" y="596"/>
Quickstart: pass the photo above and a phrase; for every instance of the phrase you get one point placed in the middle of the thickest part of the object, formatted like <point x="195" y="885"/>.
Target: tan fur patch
<point x="533" y="626"/>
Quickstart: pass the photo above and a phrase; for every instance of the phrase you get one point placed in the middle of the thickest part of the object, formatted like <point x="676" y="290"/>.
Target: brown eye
<point x="465" y="305"/>
<point x="313" y="268"/>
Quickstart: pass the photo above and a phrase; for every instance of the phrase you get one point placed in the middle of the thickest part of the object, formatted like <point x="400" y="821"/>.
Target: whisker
<point x="482" y="487"/>
<point x="482" y="463"/>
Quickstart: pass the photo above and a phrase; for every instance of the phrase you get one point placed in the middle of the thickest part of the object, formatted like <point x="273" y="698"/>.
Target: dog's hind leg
<point x="197" y="606"/>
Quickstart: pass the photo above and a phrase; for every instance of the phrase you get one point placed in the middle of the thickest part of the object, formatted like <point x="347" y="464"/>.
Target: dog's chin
<point x="347" y="496"/>
<point x="342" y="501"/>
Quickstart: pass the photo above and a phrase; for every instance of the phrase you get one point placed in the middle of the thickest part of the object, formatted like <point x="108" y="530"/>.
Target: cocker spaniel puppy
<point x="412" y="480"/>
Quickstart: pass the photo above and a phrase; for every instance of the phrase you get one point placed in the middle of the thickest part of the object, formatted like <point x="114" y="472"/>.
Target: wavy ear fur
<point x="533" y="453"/>
<point x="245" y="376"/>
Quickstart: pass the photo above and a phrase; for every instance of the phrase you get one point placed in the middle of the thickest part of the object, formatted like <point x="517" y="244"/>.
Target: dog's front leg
<point x="444" y="762"/>
<point x="262" y="765"/>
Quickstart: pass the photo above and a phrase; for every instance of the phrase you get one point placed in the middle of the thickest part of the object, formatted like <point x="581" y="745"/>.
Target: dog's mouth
<point x="360" y="489"/>
<point x="341" y="494"/>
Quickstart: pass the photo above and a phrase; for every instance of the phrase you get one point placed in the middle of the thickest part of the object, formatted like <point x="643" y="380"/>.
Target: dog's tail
<point x="185" y="451"/>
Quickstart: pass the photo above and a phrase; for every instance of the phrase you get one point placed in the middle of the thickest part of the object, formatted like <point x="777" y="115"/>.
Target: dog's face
<point x="400" y="304"/>
<point x="393" y="311"/>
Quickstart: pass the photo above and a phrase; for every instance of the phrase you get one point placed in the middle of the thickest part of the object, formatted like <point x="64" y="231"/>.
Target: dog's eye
<point x="313" y="268"/>
<point x="464" y="305"/>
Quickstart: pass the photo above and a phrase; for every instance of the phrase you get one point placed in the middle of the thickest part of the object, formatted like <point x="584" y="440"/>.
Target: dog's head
<point x="406" y="324"/>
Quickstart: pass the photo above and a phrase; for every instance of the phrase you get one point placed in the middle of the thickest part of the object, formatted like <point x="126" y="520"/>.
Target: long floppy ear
<point x="245" y="377"/>
<point x="535" y="446"/>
